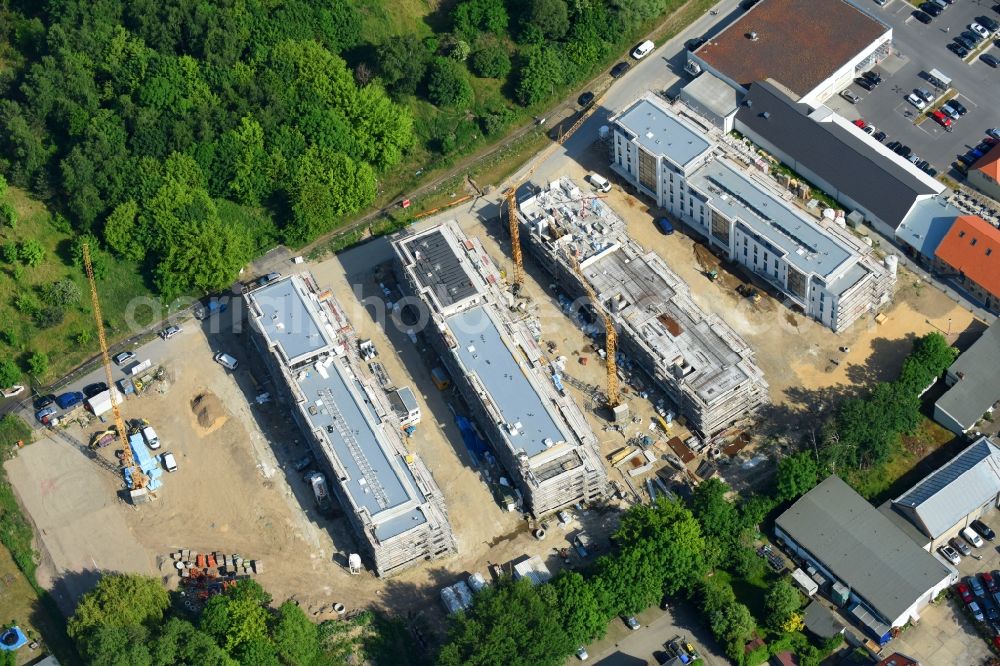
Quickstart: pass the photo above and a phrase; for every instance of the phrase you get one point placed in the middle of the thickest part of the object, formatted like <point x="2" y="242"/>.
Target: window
<point x="961" y="234"/>
<point x="974" y="241"/>
<point x="989" y="251"/>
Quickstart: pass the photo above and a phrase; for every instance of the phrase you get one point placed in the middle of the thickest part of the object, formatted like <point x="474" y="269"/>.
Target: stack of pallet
<point x="215" y="563"/>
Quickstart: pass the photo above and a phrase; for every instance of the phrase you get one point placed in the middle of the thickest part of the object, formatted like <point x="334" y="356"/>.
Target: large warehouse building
<point x="813" y="48"/>
<point x="889" y="578"/>
<point x="538" y="433"/>
<point x="820" y="267"/>
<point x="701" y="363"/>
<point x="386" y="491"/>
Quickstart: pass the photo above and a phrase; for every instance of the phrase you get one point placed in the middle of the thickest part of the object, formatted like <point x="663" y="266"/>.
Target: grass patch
<point x="73" y="339"/>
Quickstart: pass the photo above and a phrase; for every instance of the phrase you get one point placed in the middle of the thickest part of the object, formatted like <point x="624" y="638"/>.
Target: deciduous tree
<point x="119" y="600"/>
<point x="797" y="474"/>
<point x="9" y="372"/>
<point x="782" y="603"/>
<point x="447" y="84"/>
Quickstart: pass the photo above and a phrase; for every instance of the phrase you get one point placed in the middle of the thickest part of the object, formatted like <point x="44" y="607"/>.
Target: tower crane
<point x="510" y="195"/>
<point x="128" y="462"/>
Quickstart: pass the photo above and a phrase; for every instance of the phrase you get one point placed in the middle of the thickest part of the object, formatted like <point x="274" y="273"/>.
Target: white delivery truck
<point x="101" y="403"/>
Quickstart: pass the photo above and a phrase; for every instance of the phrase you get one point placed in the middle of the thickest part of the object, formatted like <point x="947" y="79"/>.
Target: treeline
<point x="864" y="432"/>
<point x="159" y="127"/>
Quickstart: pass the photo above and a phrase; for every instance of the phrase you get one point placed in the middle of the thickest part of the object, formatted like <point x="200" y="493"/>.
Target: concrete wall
<point x="984" y="184"/>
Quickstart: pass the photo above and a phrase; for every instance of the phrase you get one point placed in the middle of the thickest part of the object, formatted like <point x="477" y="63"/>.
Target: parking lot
<point x="918" y="49"/>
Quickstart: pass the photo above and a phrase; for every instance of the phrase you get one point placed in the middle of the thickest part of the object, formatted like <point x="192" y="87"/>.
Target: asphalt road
<point x="921" y="48"/>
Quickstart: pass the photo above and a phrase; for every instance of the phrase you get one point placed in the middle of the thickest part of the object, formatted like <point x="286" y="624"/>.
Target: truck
<point x="101" y="403"/>
<point x="205" y="310"/>
<point x="582" y="543"/>
<point x="321" y="492"/>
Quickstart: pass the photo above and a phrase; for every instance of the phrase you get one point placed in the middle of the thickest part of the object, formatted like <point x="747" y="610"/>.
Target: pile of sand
<point x="208" y="412"/>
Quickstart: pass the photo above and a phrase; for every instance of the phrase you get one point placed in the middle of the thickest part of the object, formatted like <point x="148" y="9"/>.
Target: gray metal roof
<point x="821" y="621"/>
<point x="483" y="352"/>
<point x="951" y="492"/>
<point x="927" y="224"/>
<point x="661" y="133"/>
<point x="292" y="321"/>
<point x="858" y="169"/>
<point x="805" y="245"/>
<point x="979" y="384"/>
<point x="338" y="407"/>
<point x="712" y="93"/>
<point x="862" y="547"/>
<point x="439" y="268"/>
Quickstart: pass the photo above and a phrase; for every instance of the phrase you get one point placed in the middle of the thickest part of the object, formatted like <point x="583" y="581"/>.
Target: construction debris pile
<point x="206" y="574"/>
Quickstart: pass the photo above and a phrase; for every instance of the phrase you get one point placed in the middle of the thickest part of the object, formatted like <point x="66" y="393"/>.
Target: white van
<point x="643" y="50"/>
<point x="169" y="462"/>
<point x="226" y="361"/>
<point x="600" y="183"/>
<point x="148" y="434"/>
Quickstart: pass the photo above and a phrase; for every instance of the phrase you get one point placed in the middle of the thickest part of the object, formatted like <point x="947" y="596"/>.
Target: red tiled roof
<point x="800" y="43"/>
<point x="989" y="163"/>
<point x="898" y="659"/>
<point x="972" y="246"/>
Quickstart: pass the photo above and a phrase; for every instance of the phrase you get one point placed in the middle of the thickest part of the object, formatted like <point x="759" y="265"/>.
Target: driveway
<point x="919" y="48"/>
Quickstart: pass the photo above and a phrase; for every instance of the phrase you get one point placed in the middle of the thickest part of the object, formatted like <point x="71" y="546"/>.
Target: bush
<point x="8" y="216"/>
<point x="495" y="121"/>
<point x="38" y="363"/>
<point x="9" y="372"/>
<point x="26" y="303"/>
<point x="62" y="293"/>
<point x="49" y="316"/>
<point x="447" y="84"/>
<point x="8" y="251"/>
<point x="475" y="16"/>
<point x="490" y="61"/>
<point x="30" y="252"/>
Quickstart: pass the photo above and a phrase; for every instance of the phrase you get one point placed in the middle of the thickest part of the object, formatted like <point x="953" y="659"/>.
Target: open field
<point x="22" y="606"/>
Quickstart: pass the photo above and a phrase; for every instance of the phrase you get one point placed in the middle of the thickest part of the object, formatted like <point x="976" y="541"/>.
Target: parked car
<point x="976" y="586"/>
<point x="123" y="357"/>
<point x="865" y="83"/>
<point x="694" y="44"/>
<point x="43" y="401"/>
<point x="148" y="434"/>
<point x="964" y="592"/>
<point x="586" y="98"/>
<point x="850" y="96"/>
<point x="914" y="158"/>
<point x="994" y="132"/>
<point x="988" y="23"/>
<point x="989" y="582"/>
<point x="970" y="535"/>
<point x="44" y="414"/>
<point x="69" y="399"/>
<point x="958" y="106"/>
<point x="948" y="553"/>
<point x="666" y="228"/>
<point x="983" y="530"/>
<point x="922" y="16"/>
<point x="966" y="43"/>
<point x="169" y="462"/>
<point x="958" y="49"/>
<point x="931" y="8"/>
<point x="169" y="332"/>
<point x="977" y="612"/>
<point x="90" y="390"/>
<point x="632" y="623"/>
<point x="879" y="136"/>
<point x="873" y="76"/>
<point x="868" y="129"/>
<point x="619" y="70"/>
<point x="916" y="101"/>
<point x="226" y="361"/>
<point x="950" y="110"/>
<point x="893" y="145"/>
<point x="941" y="118"/>
<point x="979" y="30"/>
<point x="990" y="60"/>
<point x="643" y="50"/>
<point x="960" y="546"/>
<point x="581" y="653"/>
<point x="924" y="94"/>
<point x="973" y="37"/>
<point x="304" y="462"/>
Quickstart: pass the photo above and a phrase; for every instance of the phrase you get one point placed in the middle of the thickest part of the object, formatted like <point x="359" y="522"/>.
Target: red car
<point x="860" y="123"/>
<point x="941" y="118"/>
<point x="963" y="591"/>
<point x="989" y="581"/>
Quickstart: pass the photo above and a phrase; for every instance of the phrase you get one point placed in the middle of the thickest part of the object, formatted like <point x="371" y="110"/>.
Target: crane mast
<point x="128" y="462"/>
<point x="610" y="336"/>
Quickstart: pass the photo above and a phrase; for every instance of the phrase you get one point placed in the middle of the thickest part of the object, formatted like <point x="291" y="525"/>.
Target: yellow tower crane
<point x="128" y="462"/>
<point x="511" y="196"/>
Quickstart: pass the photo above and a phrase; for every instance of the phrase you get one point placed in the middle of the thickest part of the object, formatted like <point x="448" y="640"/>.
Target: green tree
<point x="99" y="260"/>
<point x="327" y="186"/>
<point x="238" y="618"/>
<point x="180" y="642"/>
<point x="551" y="17"/>
<point x="797" y="474"/>
<point x="49" y="316"/>
<point x="3" y="186"/>
<point x="719" y="520"/>
<point x="62" y="293"/>
<point x="8" y="215"/>
<point x="38" y="363"/>
<point x="447" y="84"/>
<point x="114" y="645"/>
<point x="9" y="372"/>
<point x="490" y="61"/>
<point x="541" y="74"/>
<point x="118" y="600"/>
<point x="295" y="637"/>
<point x="402" y="63"/>
<point x="123" y="233"/>
<point x="30" y="252"/>
<point x="579" y="607"/>
<point x="460" y="50"/>
<point x="475" y="16"/>
<point x="250" y="179"/>
<point x="782" y="603"/>
<point x="510" y="623"/>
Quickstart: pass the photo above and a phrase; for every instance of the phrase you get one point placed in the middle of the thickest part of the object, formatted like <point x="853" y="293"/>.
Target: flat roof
<point x="979" y="387"/>
<point x="927" y="224"/>
<point x="799" y="43"/>
<point x="291" y="320"/>
<point x="439" y="269"/>
<point x="662" y="133"/>
<point x="856" y="166"/>
<point x="712" y="93"/>
<point x="804" y="243"/>
<point x="484" y="352"/>
<point x="862" y="547"/>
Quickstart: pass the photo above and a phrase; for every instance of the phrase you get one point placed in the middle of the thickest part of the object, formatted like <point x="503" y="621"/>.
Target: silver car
<point x="960" y="546"/>
<point x="949" y="554"/>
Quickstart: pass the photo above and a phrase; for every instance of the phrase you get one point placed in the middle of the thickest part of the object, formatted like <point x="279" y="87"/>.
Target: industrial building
<point x="974" y="384"/>
<point x="813" y="48"/>
<point x="942" y="503"/>
<point x="818" y="265"/>
<point x="490" y="349"/>
<point x="701" y="363"/>
<point x="385" y="490"/>
<point x="877" y="573"/>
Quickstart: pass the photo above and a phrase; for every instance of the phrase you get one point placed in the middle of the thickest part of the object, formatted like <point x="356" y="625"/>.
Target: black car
<point x="965" y="43"/>
<point x="892" y="145"/>
<point x="931" y="9"/>
<point x="90" y="390"/>
<point x="973" y="37"/>
<point x="304" y="462"/>
<point x="923" y="17"/>
<point x="865" y="83"/>
<point x="43" y="401"/>
<point x="873" y="76"/>
<point x="586" y="98"/>
<point x="620" y="69"/>
<point x="955" y="104"/>
<point x="958" y="49"/>
<point x="879" y="136"/>
<point x="693" y="44"/>
<point x="983" y="530"/>
<point x="966" y="159"/>
<point x="905" y="151"/>
<point x="931" y="171"/>
<point x="923" y="164"/>
<point x="990" y="60"/>
<point x="988" y="23"/>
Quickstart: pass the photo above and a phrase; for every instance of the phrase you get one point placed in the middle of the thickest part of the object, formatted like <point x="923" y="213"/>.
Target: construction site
<point x="702" y="364"/>
<point x="386" y="491"/>
<point x="490" y="348"/>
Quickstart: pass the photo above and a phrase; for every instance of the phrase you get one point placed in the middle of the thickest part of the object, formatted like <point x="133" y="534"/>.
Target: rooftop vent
<point x="752" y="36"/>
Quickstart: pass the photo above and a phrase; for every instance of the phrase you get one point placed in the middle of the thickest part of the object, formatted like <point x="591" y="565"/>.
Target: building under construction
<point x="696" y="358"/>
<point x="538" y="433"/>
<point x="386" y="491"/>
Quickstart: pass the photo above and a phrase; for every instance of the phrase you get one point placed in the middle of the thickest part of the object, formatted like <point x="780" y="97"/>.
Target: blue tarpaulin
<point x="146" y="461"/>
<point x="12" y="639"/>
<point x="473" y="442"/>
